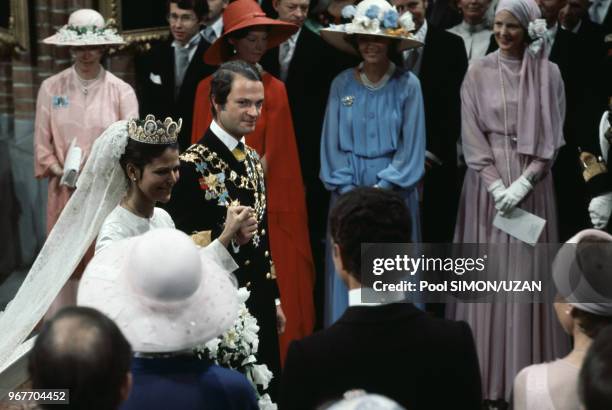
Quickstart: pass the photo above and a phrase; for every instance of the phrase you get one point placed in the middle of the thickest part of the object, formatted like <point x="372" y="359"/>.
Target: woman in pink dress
<point x="74" y="107"/>
<point x="513" y="107"/>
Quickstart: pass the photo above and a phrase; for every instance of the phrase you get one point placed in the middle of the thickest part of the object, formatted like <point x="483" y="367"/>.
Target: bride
<point x="150" y="163"/>
<point x="132" y="165"/>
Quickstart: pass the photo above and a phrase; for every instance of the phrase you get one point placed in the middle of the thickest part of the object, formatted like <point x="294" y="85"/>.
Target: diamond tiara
<point x="152" y="131"/>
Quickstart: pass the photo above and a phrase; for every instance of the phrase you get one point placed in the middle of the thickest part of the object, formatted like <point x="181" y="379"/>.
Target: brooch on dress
<point x="348" y="100"/>
<point x="60" y="101"/>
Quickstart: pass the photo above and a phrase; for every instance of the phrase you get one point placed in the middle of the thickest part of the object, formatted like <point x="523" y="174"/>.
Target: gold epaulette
<point x="592" y="166"/>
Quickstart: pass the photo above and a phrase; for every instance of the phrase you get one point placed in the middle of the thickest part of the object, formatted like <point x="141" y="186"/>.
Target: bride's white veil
<point x="101" y="186"/>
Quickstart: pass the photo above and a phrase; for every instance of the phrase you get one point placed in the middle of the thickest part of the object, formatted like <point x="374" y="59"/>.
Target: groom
<point x="220" y="170"/>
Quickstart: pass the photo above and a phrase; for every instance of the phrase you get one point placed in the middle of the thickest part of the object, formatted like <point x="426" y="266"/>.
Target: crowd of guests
<point x="287" y="142"/>
<point x="403" y="353"/>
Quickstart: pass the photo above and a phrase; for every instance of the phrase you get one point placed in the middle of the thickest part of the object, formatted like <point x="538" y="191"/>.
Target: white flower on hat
<point x="348" y="12"/>
<point x="406" y="21"/>
<point x="87" y="35"/>
<point x="86" y="27"/>
<point x="364" y="24"/>
<point x="537" y="28"/>
<point x="375" y="18"/>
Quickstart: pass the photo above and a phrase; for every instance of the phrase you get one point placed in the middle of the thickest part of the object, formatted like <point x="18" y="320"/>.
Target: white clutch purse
<point x="72" y="165"/>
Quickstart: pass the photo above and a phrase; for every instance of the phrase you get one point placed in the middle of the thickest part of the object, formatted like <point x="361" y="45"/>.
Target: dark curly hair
<point x="140" y="154"/>
<point x="590" y="323"/>
<point x="367" y="215"/>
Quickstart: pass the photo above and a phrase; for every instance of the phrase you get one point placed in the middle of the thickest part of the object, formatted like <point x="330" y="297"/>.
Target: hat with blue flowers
<point x="372" y="18"/>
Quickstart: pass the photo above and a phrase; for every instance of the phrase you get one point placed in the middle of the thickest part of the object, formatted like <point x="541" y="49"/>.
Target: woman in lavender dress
<point x="513" y="107"/>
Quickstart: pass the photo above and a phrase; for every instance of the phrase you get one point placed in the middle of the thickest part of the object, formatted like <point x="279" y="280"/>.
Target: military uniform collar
<point x="227" y="140"/>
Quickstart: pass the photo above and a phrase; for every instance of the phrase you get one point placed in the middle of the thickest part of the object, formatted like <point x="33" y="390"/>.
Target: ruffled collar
<point x="473" y="28"/>
<point x="380" y="83"/>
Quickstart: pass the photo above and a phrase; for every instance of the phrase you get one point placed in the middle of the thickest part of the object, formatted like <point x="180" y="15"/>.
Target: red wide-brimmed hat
<point x="242" y="14"/>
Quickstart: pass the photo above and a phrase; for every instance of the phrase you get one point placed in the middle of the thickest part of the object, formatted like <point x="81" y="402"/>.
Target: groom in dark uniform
<point x="220" y="170"/>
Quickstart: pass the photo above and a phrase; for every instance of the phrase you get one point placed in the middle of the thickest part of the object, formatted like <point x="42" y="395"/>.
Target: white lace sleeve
<point x="218" y="253"/>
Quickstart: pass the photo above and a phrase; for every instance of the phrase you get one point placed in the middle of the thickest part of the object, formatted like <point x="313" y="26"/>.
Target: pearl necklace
<point x="380" y="83"/>
<point x="85" y="84"/>
<point x="505" y="107"/>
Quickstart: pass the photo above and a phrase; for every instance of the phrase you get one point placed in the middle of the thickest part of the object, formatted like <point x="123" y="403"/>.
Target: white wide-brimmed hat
<point x="85" y="27"/>
<point x="164" y="294"/>
<point x="372" y="18"/>
<point x="582" y="271"/>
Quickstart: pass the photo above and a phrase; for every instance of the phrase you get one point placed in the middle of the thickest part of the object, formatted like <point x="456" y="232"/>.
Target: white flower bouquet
<point x="237" y="349"/>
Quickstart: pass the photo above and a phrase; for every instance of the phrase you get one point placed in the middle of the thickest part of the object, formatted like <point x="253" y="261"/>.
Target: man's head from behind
<point x="236" y="96"/>
<point x="365" y="215"/>
<point x="82" y="350"/>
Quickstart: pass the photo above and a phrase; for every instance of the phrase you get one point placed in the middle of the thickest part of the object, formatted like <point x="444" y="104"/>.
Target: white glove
<point x="600" y="208"/>
<point x="514" y="194"/>
<point x="496" y="189"/>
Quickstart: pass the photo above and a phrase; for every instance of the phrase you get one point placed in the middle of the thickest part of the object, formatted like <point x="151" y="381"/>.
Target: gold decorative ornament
<point x="216" y="174"/>
<point x="592" y="166"/>
<point x="202" y="238"/>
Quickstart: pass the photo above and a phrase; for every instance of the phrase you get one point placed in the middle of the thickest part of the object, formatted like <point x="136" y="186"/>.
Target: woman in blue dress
<point x="374" y="128"/>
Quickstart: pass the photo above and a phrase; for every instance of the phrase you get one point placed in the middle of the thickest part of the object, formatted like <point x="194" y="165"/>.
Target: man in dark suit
<point x="391" y="349"/>
<point x="440" y="65"/>
<point x="574" y="45"/>
<point x="168" y="75"/>
<point x="307" y="65"/>
<point x="600" y="11"/>
<point x="220" y="171"/>
<point x="444" y="14"/>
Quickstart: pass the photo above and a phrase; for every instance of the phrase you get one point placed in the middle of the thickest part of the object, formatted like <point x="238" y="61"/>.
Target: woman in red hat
<point x="247" y="35"/>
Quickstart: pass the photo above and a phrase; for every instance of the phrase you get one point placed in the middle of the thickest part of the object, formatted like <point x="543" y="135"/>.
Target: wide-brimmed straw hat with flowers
<point x="372" y="18"/>
<point x="164" y="293"/>
<point x="241" y="14"/>
<point x="85" y="27"/>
